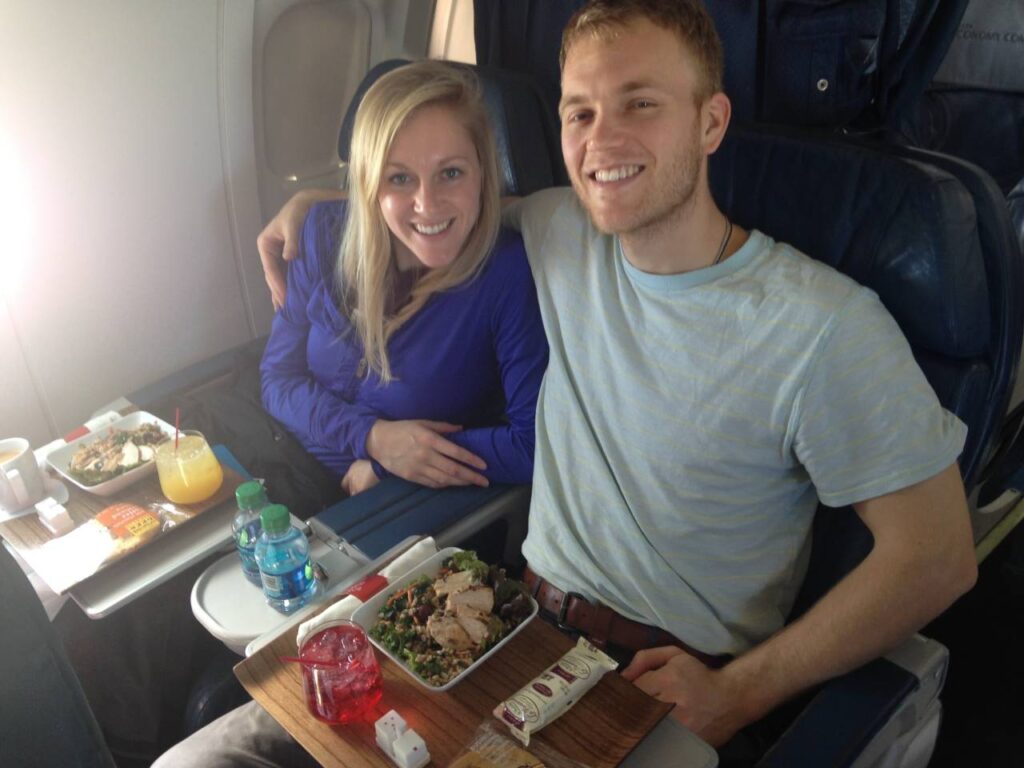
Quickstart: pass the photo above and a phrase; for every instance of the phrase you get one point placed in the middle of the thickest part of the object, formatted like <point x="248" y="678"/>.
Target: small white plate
<point x="60" y="458"/>
<point x="366" y="616"/>
<point x="55" y="490"/>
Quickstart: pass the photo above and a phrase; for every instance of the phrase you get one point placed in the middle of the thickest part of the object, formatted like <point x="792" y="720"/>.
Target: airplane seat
<point x="45" y="719"/>
<point x="526" y="133"/>
<point x="1016" y="202"/>
<point x="842" y="64"/>
<point x="974" y="110"/>
<point x="974" y="107"/>
<point x="929" y="234"/>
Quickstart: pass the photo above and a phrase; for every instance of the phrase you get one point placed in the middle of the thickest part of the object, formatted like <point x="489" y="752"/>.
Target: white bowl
<point x="366" y="616"/>
<point x="60" y="458"/>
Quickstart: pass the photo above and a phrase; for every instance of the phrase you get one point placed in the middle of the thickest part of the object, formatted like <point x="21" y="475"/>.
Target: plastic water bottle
<point x="246" y="527"/>
<point x="282" y="554"/>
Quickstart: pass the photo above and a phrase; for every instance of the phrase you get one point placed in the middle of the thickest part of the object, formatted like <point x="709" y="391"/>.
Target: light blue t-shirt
<point x="688" y="424"/>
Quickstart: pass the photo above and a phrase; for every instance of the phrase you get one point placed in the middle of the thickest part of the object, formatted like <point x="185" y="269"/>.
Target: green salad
<point x="439" y="626"/>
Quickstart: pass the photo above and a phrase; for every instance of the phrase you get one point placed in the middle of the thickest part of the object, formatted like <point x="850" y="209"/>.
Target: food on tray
<point x="438" y="627"/>
<point x="549" y="695"/>
<point x="129" y="525"/>
<point x="119" y="451"/>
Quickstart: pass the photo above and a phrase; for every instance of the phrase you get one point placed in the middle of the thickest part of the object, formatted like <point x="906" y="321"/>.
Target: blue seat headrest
<point x="905" y="229"/>
<point x="529" y="153"/>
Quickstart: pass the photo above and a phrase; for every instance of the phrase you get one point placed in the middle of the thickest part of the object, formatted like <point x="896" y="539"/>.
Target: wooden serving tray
<point x="600" y="730"/>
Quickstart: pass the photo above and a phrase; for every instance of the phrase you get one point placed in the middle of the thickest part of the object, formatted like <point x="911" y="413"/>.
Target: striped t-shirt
<point x="688" y="424"/>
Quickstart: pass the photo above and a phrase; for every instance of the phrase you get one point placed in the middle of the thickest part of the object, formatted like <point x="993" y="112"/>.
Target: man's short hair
<point x="689" y="19"/>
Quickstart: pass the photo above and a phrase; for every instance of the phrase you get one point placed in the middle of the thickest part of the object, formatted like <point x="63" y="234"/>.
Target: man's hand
<point x="415" y="450"/>
<point x="704" y="698"/>
<point x="922" y="560"/>
<point x="360" y="477"/>
<point x="279" y="240"/>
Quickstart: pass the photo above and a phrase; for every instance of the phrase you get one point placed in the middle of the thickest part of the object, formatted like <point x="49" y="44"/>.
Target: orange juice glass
<point x="189" y="473"/>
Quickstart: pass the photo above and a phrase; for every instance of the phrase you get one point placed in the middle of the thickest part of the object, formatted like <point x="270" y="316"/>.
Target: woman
<point x="410" y="341"/>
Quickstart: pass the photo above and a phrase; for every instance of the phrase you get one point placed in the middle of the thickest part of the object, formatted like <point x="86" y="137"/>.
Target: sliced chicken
<point x="453" y="582"/>
<point x="477" y="600"/>
<point x="448" y="633"/>
<point x="479" y="628"/>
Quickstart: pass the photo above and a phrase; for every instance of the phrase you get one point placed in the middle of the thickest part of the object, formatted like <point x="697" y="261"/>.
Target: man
<point x="677" y="460"/>
<point x="706" y="386"/>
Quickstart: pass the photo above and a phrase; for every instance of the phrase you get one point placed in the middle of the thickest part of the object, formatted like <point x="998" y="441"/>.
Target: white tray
<point x="61" y="457"/>
<point x="366" y="616"/>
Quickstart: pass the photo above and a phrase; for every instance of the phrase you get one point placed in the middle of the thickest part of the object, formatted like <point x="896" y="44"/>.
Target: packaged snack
<point x="549" y="696"/>
<point x="129" y="525"/>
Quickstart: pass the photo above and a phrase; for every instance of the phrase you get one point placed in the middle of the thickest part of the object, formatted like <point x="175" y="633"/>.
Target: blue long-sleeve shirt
<point x="473" y="355"/>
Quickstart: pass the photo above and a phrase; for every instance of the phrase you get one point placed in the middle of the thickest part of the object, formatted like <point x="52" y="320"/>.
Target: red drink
<point x="340" y="674"/>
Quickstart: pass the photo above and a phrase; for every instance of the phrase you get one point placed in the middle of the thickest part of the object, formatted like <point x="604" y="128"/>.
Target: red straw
<point x="177" y="423"/>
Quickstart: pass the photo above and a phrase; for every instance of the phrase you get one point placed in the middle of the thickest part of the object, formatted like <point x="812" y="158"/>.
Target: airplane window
<point x="313" y="55"/>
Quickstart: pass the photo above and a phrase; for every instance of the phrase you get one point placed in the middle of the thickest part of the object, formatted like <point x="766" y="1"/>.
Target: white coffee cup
<point x="21" y="482"/>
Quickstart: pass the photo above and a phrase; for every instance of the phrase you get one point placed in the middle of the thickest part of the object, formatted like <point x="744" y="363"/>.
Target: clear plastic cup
<point x="189" y="471"/>
<point x="340" y="674"/>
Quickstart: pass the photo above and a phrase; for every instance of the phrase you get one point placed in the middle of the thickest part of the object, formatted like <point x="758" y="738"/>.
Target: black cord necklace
<point x="725" y="242"/>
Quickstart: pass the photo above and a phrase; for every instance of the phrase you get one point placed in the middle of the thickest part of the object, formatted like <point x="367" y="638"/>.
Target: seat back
<point x="926" y="232"/>
<point x="974" y="109"/>
<point x="842" y="63"/>
<point x="929" y="234"/>
<point x="45" y="719"/>
<point x="529" y="154"/>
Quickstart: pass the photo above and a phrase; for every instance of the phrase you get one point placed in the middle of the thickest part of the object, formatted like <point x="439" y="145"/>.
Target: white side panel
<point x="21" y="412"/>
<point x="114" y="109"/>
<point x="238" y="144"/>
<point x="451" y="35"/>
<point x="309" y="58"/>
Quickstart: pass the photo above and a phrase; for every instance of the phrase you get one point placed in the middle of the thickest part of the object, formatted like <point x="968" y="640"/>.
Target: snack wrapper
<point x="551" y="694"/>
<point x="492" y="747"/>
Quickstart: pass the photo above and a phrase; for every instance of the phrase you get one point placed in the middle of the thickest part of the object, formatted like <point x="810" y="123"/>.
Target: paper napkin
<point x="344" y="608"/>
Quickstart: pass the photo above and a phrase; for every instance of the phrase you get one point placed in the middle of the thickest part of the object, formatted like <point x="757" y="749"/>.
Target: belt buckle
<point x="563" y="611"/>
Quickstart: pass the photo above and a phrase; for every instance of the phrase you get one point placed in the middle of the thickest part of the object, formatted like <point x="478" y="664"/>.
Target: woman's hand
<point x="360" y="477"/>
<point x="415" y="450"/>
<point x="279" y="240"/>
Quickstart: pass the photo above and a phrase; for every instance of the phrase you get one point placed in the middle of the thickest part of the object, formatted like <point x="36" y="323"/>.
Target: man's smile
<point x="618" y="173"/>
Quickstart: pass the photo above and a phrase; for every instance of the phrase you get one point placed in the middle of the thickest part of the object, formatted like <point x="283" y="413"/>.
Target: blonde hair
<point x="365" y="271"/>
<point x="688" y="19"/>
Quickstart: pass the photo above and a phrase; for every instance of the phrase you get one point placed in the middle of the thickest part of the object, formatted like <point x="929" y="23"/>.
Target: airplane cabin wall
<point x="134" y="181"/>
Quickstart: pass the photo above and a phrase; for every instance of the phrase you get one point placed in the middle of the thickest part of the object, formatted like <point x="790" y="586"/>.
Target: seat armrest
<point x="394" y="509"/>
<point x="854" y="718"/>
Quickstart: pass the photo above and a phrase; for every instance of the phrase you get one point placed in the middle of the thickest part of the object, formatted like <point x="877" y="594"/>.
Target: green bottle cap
<point x="250" y="495"/>
<point x="275" y="518"/>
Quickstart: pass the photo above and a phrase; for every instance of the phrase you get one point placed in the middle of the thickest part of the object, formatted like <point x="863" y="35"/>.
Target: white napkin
<point x="344" y="608"/>
<point x="409" y="559"/>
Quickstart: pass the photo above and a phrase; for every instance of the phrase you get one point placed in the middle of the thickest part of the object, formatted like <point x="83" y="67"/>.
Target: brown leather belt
<point x="603" y="626"/>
